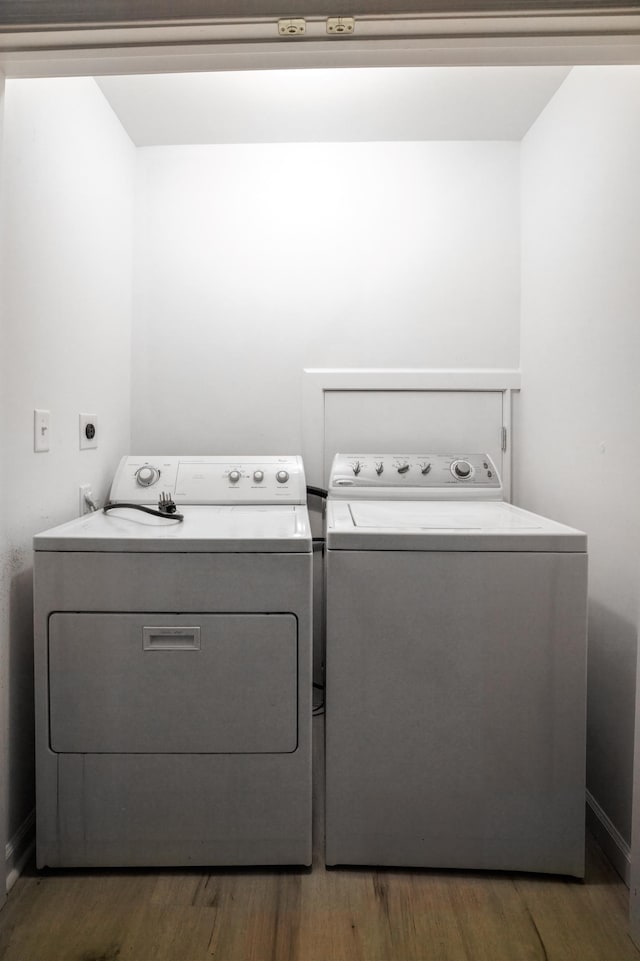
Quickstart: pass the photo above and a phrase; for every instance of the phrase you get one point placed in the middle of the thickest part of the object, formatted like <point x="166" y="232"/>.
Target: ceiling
<point x="332" y="105"/>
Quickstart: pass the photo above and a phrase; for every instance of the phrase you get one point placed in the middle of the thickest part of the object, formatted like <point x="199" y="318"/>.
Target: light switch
<point x="41" y="430"/>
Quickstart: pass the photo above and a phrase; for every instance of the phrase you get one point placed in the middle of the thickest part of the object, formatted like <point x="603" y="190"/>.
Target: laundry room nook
<point x="304" y="263"/>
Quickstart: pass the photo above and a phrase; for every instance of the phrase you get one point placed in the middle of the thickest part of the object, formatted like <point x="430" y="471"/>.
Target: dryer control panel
<point x="214" y="479"/>
<point x="415" y="476"/>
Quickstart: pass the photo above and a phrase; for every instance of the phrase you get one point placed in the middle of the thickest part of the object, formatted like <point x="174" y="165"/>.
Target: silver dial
<point x="282" y="476"/>
<point x="462" y="469"/>
<point x="234" y="476"/>
<point x="258" y="476"/>
<point x="147" y="475"/>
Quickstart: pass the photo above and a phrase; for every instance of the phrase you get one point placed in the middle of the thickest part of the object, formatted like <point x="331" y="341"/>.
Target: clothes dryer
<point x="173" y="669"/>
<point x="455" y="671"/>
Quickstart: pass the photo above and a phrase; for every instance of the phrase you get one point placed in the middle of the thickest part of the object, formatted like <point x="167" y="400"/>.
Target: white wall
<point x="68" y="180"/>
<point x="255" y="261"/>
<point x="578" y="457"/>
<point x="252" y="262"/>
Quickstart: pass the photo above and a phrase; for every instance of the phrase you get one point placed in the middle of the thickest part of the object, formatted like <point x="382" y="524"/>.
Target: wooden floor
<point x="318" y="915"/>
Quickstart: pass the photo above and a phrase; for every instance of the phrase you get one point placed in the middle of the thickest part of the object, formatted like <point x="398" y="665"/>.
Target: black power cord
<point x="166" y="508"/>
<point x="318" y="492"/>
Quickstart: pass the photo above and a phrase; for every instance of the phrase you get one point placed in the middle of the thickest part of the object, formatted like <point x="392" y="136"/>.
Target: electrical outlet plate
<point x="341" y="25"/>
<point x="294" y="27"/>
<point x="83" y="491"/>
<point x="88" y="431"/>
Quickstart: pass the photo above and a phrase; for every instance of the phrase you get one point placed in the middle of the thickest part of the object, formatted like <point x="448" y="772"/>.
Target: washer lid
<point x="274" y="528"/>
<point x="445" y="525"/>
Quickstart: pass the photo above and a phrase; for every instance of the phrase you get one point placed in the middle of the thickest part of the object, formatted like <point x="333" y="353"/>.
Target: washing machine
<point x="455" y="671"/>
<point x="173" y="669"/>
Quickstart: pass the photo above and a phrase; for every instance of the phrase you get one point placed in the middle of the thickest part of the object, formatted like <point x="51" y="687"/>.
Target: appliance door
<point x="168" y="683"/>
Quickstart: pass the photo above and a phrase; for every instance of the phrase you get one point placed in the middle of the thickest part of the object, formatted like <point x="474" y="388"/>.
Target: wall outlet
<point x="85" y="499"/>
<point x="88" y="431"/>
<point x="41" y="430"/>
<point x="294" y="27"/>
<point x="340" y="25"/>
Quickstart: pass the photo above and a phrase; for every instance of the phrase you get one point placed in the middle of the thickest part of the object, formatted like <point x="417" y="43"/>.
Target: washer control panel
<point x="211" y="480"/>
<point x="417" y="476"/>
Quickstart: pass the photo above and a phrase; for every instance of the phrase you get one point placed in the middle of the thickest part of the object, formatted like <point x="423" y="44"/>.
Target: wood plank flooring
<point x="318" y="915"/>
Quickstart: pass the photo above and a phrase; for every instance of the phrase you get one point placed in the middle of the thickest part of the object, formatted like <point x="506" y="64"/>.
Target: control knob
<point x="282" y="476"/>
<point x="147" y="475"/>
<point x="425" y="469"/>
<point x="403" y="469"/>
<point x="379" y="468"/>
<point x="357" y="467"/>
<point x="462" y="469"/>
<point x="258" y="476"/>
<point x="234" y="476"/>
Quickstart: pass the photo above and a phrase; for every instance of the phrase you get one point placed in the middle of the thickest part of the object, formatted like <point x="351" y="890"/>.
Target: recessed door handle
<point x="171" y="638"/>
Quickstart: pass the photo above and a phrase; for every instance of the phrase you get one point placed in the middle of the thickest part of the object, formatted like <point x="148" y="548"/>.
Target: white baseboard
<point x="21" y="845"/>
<point x="18" y="850"/>
<point x="609" y="838"/>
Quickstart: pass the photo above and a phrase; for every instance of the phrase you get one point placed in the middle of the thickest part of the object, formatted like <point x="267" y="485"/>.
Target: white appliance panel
<point x="395" y="421"/>
<point x="455" y="728"/>
<point x="211" y="480"/>
<point x="170" y="684"/>
<point x="415" y="476"/>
